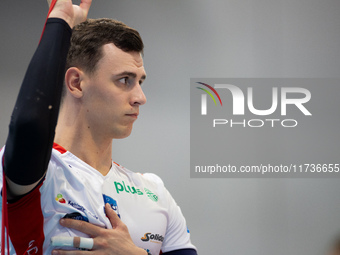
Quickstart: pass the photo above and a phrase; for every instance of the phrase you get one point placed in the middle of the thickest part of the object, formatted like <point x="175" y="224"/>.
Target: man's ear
<point x="73" y="78"/>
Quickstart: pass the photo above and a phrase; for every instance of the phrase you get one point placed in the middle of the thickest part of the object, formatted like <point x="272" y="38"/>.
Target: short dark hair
<point x="89" y="37"/>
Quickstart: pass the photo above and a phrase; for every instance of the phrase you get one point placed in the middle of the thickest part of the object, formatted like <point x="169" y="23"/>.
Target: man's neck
<point x="97" y="157"/>
<point x="80" y="141"/>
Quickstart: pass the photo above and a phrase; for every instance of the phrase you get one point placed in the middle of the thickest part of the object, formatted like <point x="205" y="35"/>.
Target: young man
<point x="76" y="178"/>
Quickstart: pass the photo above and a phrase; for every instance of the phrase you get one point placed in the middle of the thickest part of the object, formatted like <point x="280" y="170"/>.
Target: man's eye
<point x="123" y="80"/>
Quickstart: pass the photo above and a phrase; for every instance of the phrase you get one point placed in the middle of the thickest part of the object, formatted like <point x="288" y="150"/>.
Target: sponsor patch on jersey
<point x="32" y="248"/>
<point x="122" y="187"/>
<point x="82" y="208"/>
<point x="113" y="203"/>
<point x="155" y="238"/>
<point x="59" y="198"/>
<point x="151" y="195"/>
<point x="76" y="216"/>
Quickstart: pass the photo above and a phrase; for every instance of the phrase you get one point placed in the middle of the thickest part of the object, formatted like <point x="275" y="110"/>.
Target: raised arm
<point x="31" y="130"/>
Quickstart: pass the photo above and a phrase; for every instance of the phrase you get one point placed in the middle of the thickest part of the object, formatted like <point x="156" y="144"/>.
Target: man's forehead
<point x="121" y="61"/>
<point x="113" y="50"/>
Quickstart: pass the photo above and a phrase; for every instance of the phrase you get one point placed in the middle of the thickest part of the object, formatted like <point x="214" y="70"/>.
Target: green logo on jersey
<point x="121" y="187"/>
<point x="127" y="188"/>
<point x="151" y="195"/>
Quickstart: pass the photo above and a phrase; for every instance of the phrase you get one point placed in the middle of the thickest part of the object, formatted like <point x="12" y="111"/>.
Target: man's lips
<point x="134" y="115"/>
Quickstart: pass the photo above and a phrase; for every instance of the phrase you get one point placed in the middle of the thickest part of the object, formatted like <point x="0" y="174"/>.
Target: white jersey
<point x="74" y="189"/>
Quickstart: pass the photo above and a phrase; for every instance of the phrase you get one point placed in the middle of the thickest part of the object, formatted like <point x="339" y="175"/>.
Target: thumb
<point x="112" y="215"/>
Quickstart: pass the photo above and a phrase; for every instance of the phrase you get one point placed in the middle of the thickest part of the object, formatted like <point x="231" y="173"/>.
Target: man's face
<point x="113" y="93"/>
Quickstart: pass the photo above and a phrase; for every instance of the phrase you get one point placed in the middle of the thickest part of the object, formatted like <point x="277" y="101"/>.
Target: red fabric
<point x="26" y="223"/>
<point x="48" y="14"/>
<point x="4" y="222"/>
<point x="59" y="148"/>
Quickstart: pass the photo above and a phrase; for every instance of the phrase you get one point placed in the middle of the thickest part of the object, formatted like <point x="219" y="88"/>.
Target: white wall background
<point x="200" y="38"/>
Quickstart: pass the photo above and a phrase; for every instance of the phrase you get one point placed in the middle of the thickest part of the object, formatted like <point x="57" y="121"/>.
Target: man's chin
<point x="122" y="135"/>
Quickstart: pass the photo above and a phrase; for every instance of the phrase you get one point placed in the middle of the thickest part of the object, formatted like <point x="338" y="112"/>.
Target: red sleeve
<point x="25" y="222"/>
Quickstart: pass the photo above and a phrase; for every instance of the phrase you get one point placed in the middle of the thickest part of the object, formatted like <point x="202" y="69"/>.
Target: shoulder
<point x="149" y="183"/>
<point x="149" y="178"/>
<point x="153" y="178"/>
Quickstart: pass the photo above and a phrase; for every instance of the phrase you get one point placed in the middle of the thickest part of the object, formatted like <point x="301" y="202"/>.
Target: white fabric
<point x="154" y="220"/>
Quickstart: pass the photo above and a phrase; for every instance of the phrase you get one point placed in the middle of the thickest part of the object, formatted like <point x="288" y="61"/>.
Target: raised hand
<point x="71" y="13"/>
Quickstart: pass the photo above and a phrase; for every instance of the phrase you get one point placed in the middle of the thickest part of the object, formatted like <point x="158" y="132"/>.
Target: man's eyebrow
<point x="131" y="74"/>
